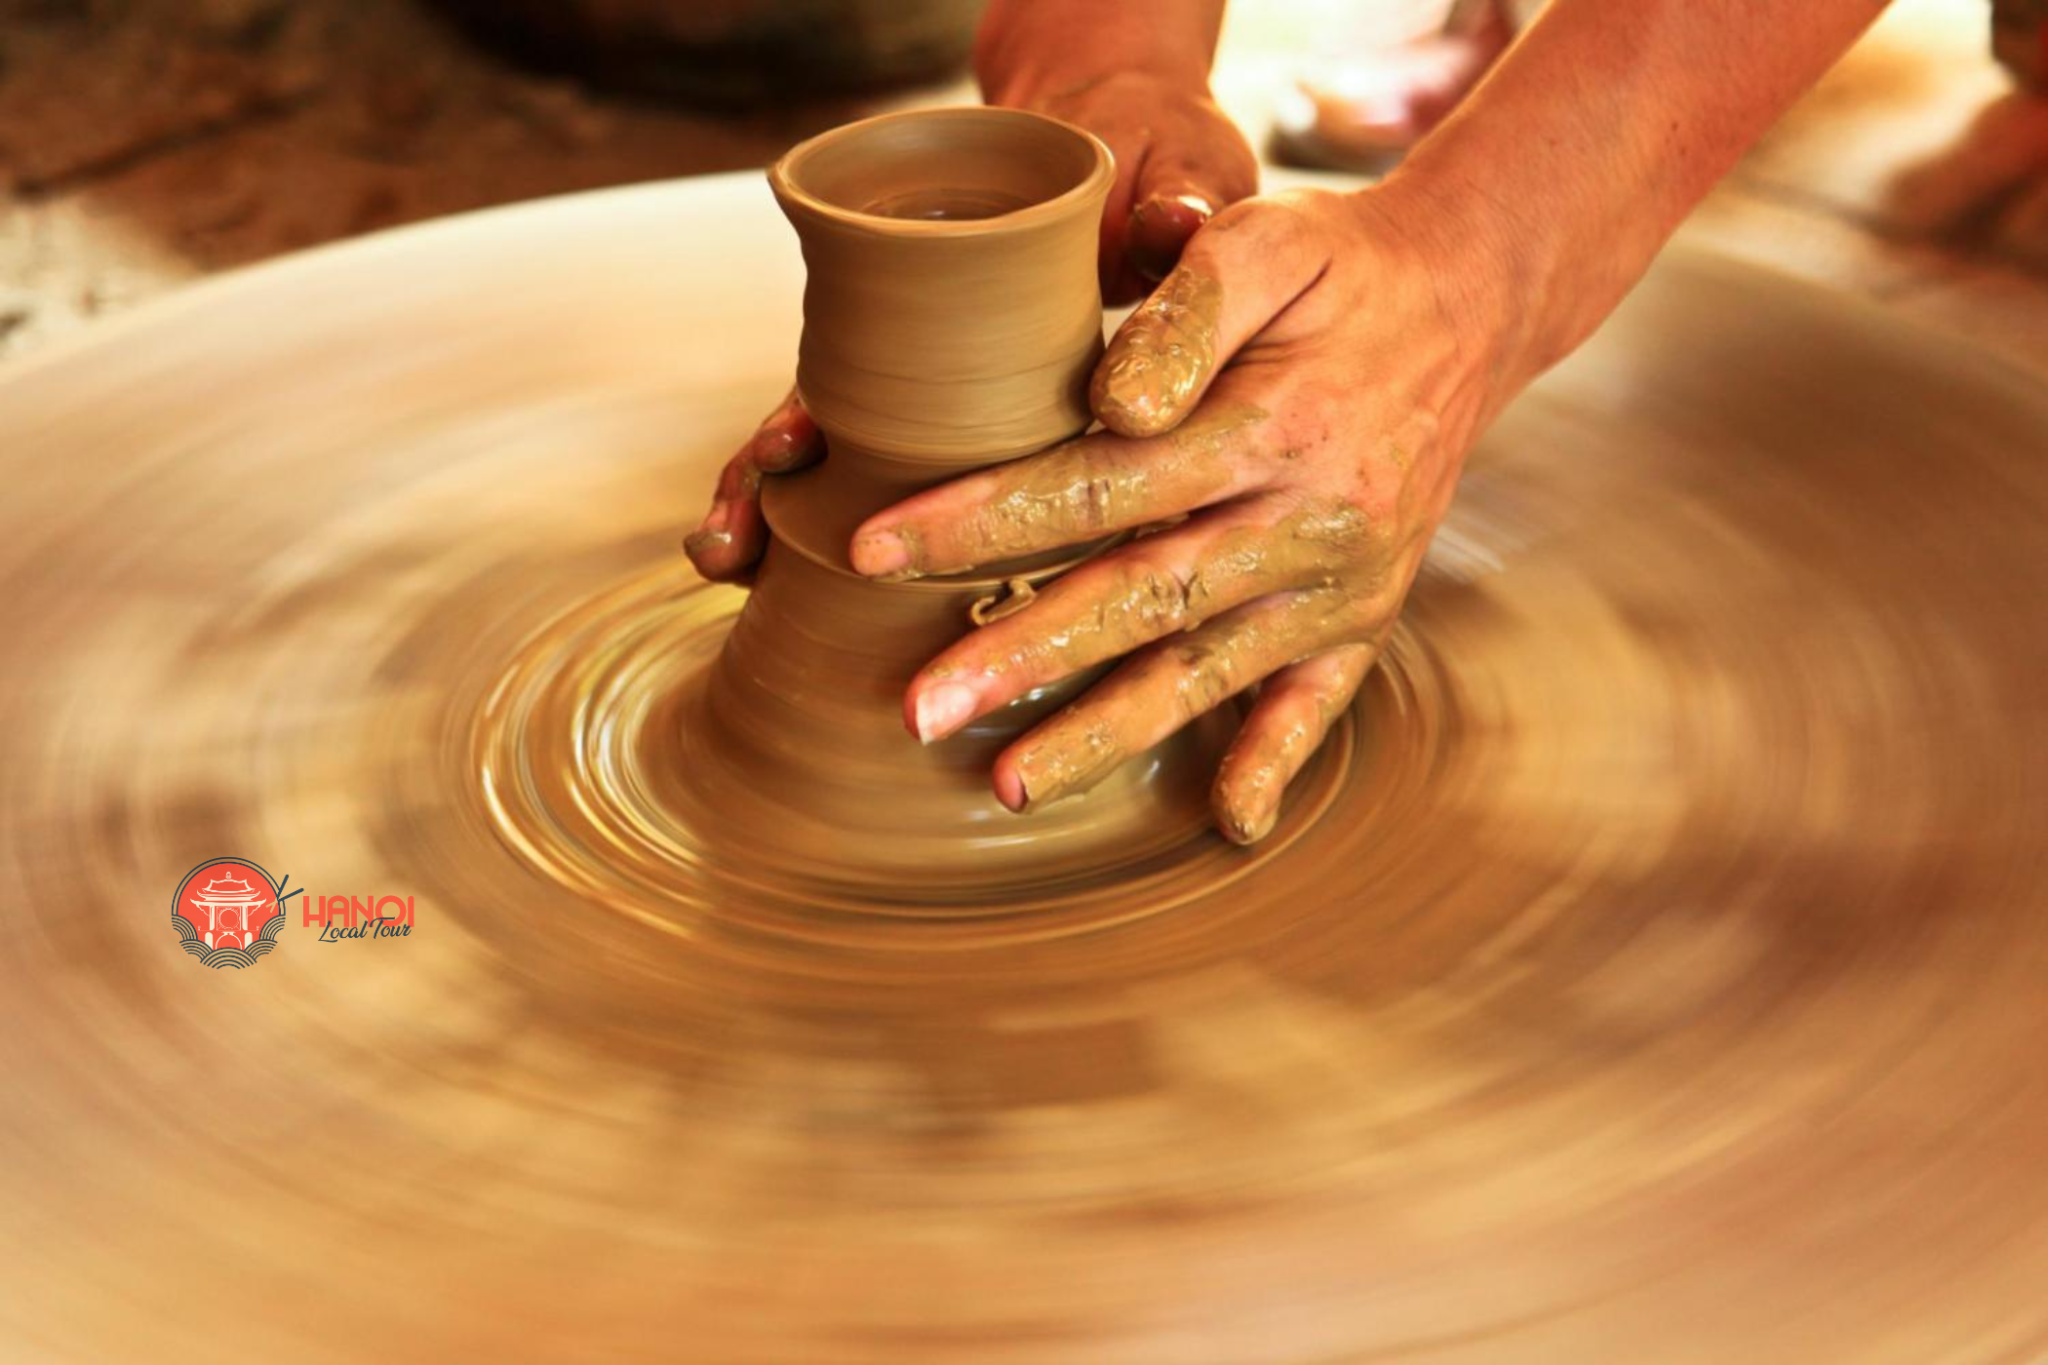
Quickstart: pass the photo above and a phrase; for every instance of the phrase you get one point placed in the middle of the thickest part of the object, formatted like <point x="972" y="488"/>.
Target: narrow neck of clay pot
<point x="951" y="312"/>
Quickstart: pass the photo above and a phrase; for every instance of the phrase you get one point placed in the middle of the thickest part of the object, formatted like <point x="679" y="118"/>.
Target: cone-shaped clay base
<point x="801" y="721"/>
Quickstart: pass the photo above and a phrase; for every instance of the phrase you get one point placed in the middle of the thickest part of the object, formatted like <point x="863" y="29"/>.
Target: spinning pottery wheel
<point x="1652" y="968"/>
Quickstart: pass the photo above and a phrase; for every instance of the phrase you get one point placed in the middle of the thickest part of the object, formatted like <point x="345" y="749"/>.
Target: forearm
<point x="1033" y="47"/>
<point x="1564" y="173"/>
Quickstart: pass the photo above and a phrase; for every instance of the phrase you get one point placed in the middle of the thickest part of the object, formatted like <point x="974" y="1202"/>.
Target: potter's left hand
<point x="1136" y="76"/>
<point x="1178" y="158"/>
<point x="1302" y="389"/>
<point x="725" y="546"/>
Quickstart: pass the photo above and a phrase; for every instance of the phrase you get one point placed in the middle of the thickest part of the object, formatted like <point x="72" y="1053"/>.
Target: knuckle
<point x="1289" y="217"/>
<point x="1005" y="529"/>
<point x="1288" y="232"/>
<point x="1162" y="593"/>
<point x="1208" y="677"/>
<point x="1308" y="206"/>
<point x="1094" y="508"/>
<point x="1367" y="608"/>
<point x="986" y="528"/>
<point x="1308" y="409"/>
<point x="741" y="477"/>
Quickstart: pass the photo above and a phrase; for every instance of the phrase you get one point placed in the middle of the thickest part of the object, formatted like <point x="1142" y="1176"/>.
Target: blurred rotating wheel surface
<point x="1659" y="976"/>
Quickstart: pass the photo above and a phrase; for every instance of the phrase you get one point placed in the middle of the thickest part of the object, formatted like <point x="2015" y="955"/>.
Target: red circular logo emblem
<point x="226" y="912"/>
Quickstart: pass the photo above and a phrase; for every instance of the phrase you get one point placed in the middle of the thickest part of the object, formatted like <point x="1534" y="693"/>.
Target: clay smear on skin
<point x="1253" y="778"/>
<point x="1086" y="752"/>
<point x="1139" y="604"/>
<point x="1310" y="549"/>
<point x="1062" y="498"/>
<point x="1016" y="595"/>
<point x="1159" y="359"/>
<point x="1084" y="744"/>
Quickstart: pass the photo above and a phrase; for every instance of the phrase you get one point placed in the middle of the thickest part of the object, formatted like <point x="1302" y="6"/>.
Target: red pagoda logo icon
<point x="227" y="912"/>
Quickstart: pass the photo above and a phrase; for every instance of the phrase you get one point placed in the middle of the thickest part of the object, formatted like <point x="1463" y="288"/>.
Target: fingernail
<point x="943" y="709"/>
<point x="773" y="450"/>
<point x="1009" y="785"/>
<point x="697" y="542"/>
<point x="1160" y="227"/>
<point x="880" y="553"/>
<point x="711" y="534"/>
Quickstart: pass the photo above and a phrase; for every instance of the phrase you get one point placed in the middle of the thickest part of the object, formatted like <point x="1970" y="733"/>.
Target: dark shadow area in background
<point x="233" y="130"/>
<point x="739" y="54"/>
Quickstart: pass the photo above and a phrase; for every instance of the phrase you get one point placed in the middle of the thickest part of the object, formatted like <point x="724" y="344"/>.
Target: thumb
<point x="1161" y="361"/>
<point x="1174" y="196"/>
<point x="1160" y="227"/>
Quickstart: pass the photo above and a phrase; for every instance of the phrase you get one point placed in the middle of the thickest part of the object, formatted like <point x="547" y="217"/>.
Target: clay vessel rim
<point x="782" y="177"/>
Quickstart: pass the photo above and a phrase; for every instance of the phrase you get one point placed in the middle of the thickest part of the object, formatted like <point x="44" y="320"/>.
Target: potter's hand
<point x="1363" y="354"/>
<point x="1179" y="159"/>
<point x="1136" y="76"/>
<point x="1303" y="388"/>
<point x="732" y="536"/>
<point x="1143" y="88"/>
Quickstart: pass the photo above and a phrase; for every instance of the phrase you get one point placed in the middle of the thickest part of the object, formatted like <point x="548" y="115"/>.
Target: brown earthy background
<point x="145" y="142"/>
<point x="1650" y="970"/>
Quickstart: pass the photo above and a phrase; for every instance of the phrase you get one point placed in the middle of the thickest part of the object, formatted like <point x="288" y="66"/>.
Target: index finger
<point x="1088" y="487"/>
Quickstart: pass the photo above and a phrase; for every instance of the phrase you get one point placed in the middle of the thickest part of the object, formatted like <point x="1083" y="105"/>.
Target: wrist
<point x="1032" y="52"/>
<point x="1049" y="80"/>
<point x="1481" y="282"/>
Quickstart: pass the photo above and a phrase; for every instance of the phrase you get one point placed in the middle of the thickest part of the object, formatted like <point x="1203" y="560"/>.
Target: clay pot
<point x="951" y="314"/>
<point x="951" y="320"/>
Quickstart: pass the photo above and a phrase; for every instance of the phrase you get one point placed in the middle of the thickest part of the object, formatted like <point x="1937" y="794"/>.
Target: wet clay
<point x="1072" y="493"/>
<point x="1016" y="595"/>
<point x="1652" y="954"/>
<point x="1172" y="681"/>
<point x="1253" y="779"/>
<point x="1133" y="601"/>
<point x="1158" y="361"/>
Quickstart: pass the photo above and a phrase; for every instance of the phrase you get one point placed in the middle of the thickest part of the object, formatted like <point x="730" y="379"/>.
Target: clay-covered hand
<point x="1295" y="400"/>
<point x="1179" y="160"/>
<point x="732" y="536"/>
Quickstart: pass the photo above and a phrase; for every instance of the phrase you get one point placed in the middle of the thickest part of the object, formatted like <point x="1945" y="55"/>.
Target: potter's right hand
<point x="1286" y="417"/>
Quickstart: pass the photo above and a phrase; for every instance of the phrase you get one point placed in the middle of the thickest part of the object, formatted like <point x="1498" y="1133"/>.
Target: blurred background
<point x="144" y="143"/>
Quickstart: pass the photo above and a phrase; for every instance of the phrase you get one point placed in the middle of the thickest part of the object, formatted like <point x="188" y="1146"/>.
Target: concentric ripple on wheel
<point x="595" y="756"/>
<point x="1652" y="970"/>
